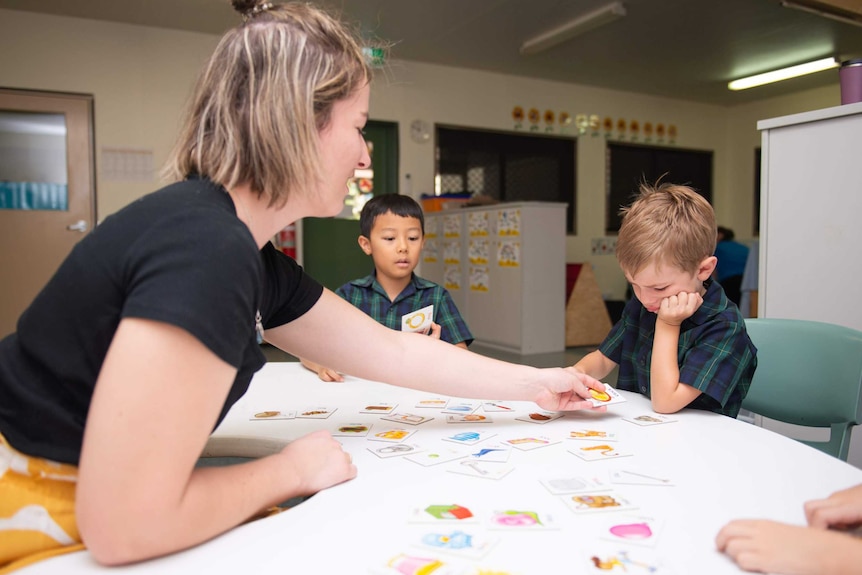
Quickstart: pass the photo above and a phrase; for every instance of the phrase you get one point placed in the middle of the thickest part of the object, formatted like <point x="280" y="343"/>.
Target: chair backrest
<point x="808" y="373"/>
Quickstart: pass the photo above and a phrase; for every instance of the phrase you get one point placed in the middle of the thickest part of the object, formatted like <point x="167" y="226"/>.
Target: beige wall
<point x="140" y="78"/>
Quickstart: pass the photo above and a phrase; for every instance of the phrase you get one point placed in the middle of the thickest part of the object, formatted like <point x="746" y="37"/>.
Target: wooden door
<point x="47" y="190"/>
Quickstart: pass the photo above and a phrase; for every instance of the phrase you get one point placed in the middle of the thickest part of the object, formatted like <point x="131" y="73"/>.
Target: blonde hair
<point x="263" y="97"/>
<point x="666" y="224"/>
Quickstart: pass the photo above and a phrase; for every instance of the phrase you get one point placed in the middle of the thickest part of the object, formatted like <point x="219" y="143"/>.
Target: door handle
<point x="79" y="226"/>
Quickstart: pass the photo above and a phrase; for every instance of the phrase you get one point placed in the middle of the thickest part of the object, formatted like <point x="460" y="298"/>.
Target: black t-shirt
<point x="180" y="256"/>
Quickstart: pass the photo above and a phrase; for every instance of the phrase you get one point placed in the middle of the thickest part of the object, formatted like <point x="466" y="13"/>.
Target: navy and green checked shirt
<point x="715" y="354"/>
<point x="368" y="295"/>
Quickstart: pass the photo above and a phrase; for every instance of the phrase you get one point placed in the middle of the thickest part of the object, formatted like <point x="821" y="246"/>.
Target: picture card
<point x="540" y="416"/>
<point x="482" y="469"/>
<point x="461" y="406"/>
<point x="609" y="397"/>
<point x="272" y="414"/>
<point x="638" y="477"/>
<point x="392" y="435"/>
<point x="521" y="519"/>
<point x="465" y="543"/>
<point x="394" y="449"/>
<point x="442" y="513"/>
<point x="530" y="442"/>
<point x="602" y="558"/>
<point x="418" y="562"/>
<point x="572" y="484"/>
<point x="381" y="407"/>
<point x="432" y="403"/>
<point x="408" y="418"/>
<point x="649" y="419"/>
<point x="631" y="529"/>
<point x="418" y="321"/>
<point x="492" y="406"/>
<point x="593" y="435"/>
<point x="469" y="418"/>
<point x="315" y="412"/>
<point x="352" y="429"/>
<point x="494" y="452"/>
<point x="469" y="437"/>
<point x="597" y="502"/>
<point x="437" y="456"/>
<point x="598" y="452"/>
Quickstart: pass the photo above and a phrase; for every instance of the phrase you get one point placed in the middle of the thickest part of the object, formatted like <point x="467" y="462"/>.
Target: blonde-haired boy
<point x="680" y="341"/>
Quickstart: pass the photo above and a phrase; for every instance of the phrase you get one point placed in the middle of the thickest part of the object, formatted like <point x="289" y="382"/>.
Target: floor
<point x="569" y="356"/>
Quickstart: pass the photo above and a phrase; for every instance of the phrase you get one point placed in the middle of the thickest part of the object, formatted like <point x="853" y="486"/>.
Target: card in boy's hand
<point x="408" y="418"/>
<point x="609" y="396"/>
<point x="352" y="429"/>
<point x="469" y="418"/>
<point x="270" y="415"/>
<point x="649" y="419"/>
<point x="469" y="437"/>
<point x="395" y="449"/>
<point x="381" y="408"/>
<point x="392" y="435"/>
<point x="432" y="403"/>
<point x="598" y="452"/>
<point x="461" y="406"/>
<point x="315" y="412"/>
<point x="418" y="321"/>
<point x="593" y="435"/>
<point x="597" y="502"/>
<point x="572" y="484"/>
<point x="540" y="416"/>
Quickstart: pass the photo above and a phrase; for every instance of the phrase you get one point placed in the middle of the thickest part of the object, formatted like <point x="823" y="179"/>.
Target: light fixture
<point x="833" y="10"/>
<point x="783" y="74"/>
<point x="572" y="28"/>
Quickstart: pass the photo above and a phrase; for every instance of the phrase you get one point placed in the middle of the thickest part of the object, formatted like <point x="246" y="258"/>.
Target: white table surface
<point x="722" y="469"/>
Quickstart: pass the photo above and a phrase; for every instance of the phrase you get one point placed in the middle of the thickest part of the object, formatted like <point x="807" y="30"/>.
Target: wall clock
<point x="420" y="131"/>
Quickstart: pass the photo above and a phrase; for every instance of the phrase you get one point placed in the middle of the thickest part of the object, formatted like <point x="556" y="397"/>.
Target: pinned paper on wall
<point x="509" y="222"/>
<point x="452" y="277"/>
<point x="452" y="226"/>
<point x="509" y="254"/>
<point x="477" y="223"/>
<point x="431" y="225"/>
<point x="479" y="252"/>
<point x="430" y="252"/>
<point x="479" y="279"/>
<point x="452" y="253"/>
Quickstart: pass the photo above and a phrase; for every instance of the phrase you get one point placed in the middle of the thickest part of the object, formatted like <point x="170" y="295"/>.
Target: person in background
<point x="732" y="256"/>
<point x="150" y="329"/>
<point x="392" y="229"/>
<point x="680" y="341"/>
<point x="828" y="545"/>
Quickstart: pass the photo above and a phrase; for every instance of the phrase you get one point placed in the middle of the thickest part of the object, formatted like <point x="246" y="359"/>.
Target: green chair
<point x="810" y="374"/>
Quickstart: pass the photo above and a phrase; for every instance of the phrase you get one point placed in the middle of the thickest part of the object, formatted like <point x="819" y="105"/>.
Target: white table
<point x="722" y="469"/>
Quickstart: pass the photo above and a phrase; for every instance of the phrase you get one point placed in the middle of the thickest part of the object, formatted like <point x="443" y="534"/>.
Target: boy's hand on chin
<point x="676" y="308"/>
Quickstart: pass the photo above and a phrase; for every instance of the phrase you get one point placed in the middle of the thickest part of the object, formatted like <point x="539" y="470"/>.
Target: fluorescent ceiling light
<point x="783" y="74"/>
<point x="569" y="30"/>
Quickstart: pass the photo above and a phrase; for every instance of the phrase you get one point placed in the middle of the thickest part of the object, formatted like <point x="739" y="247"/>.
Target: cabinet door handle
<point x="79" y="226"/>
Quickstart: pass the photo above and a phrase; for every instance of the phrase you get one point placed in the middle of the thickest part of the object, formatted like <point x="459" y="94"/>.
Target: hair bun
<point x="250" y="8"/>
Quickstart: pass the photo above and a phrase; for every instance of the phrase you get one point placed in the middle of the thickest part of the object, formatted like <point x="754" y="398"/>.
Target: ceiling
<point x="686" y="49"/>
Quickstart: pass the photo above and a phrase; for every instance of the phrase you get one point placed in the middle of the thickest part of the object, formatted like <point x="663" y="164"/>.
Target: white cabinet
<point x="811" y="216"/>
<point x="505" y="267"/>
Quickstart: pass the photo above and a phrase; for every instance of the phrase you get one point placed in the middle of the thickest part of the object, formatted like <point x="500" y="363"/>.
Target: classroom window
<point x="508" y="167"/>
<point x="630" y="164"/>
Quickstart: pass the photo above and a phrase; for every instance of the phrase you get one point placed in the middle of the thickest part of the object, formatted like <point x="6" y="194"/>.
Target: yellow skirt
<point x="37" y="509"/>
